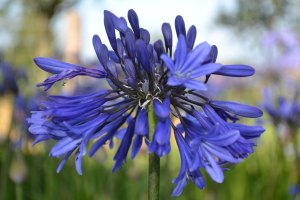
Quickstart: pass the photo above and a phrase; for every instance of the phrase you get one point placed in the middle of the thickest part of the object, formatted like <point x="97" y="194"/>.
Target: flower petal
<point x="237" y="108"/>
<point x="235" y="71"/>
<point x="196" y="85"/>
<point x="180" y="53"/>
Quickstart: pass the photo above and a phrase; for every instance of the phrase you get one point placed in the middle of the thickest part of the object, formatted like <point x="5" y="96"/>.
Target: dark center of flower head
<point x="150" y="75"/>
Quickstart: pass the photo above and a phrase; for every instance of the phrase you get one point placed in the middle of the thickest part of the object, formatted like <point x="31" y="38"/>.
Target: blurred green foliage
<point x="264" y="175"/>
<point x="256" y="16"/>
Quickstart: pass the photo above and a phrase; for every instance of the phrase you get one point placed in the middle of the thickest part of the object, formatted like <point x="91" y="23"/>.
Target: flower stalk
<point x="154" y="160"/>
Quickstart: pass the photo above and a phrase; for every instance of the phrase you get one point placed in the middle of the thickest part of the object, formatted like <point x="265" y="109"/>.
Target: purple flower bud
<point x="117" y="23"/>
<point x="191" y="37"/>
<point x="145" y="87"/>
<point x="180" y="26"/>
<point x="145" y="35"/>
<point x="235" y="71"/>
<point x="104" y="55"/>
<point x="213" y="53"/>
<point x="129" y="67"/>
<point x="112" y="68"/>
<point x="113" y="56"/>
<point x="150" y="50"/>
<point x="167" y="32"/>
<point x="123" y="20"/>
<point x="142" y="54"/>
<point x="134" y="22"/>
<point x="110" y="31"/>
<point x="159" y="48"/>
<point x="130" y="44"/>
<point x="97" y="46"/>
<point x="120" y="48"/>
<point x="132" y="83"/>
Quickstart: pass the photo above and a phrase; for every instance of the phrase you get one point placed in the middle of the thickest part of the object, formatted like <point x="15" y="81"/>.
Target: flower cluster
<point x="286" y="110"/>
<point x="150" y="77"/>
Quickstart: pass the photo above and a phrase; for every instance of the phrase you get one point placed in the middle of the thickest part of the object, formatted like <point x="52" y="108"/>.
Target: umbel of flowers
<point x="150" y="77"/>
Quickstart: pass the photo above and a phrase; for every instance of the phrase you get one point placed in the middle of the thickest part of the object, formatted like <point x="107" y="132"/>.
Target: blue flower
<point x="189" y="66"/>
<point x="150" y="78"/>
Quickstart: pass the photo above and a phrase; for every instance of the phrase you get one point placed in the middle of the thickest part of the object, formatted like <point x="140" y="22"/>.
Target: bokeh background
<point x="262" y="34"/>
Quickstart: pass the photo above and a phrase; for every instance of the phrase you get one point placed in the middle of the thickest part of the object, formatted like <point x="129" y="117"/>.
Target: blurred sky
<point x="151" y="16"/>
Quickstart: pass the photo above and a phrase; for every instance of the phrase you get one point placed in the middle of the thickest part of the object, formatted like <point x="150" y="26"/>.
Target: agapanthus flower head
<point x="151" y="77"/>
<point x="282" y="109"/>
<point x="8" y="81"/>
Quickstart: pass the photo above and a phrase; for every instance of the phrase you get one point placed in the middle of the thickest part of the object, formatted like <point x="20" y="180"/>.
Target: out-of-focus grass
<point x="263" y="175"/>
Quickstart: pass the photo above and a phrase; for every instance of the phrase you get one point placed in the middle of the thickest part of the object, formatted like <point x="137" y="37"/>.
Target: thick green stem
<point x="154" y="160"/>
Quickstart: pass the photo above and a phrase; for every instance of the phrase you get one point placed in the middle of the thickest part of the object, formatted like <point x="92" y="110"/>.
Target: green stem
<point x="154" y="160"/>
<point x="19" y="195"/>
<point x="294" y="131"/>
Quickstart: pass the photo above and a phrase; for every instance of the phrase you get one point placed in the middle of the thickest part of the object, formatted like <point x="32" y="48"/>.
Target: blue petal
<point x="134" y="22"/>
<point x="64" y="161"/>
<point x="124" y="147"/>
<point x="137" y="143"/>
<point x="92" y="124"/>
<point x="110" y="31"/>
<point x="130" y="69"/>
<point x="97" y="46"/>
<point x="51" y="65"/>
<point x="162" y="110"/>
<point x="196" y="85"/>
<point x="142" y="55"/>
<point x="180" y="184"/>
<point x="203" y="121"/>
<point x="130" y="44"/>
<point x="145" y="35"/>
<point x="64" y="145"/>
<point x="214" y="170"/>
<point x="180" y="53"/>
<point x="213" y="53"/>
<point x="76" y="99"/>
<point x="205" y="70"/>
<point x="197" y="178"/>
<point x="163" y="132"/>
<point x="196" y="57"/>
<point x="71" y="73"/>
<point x="99" y="143"/>
<point x="237" y="108"/>
<point x="40" y="138"/>
<point x="120" y="133"/>
<point x="167" y="32"/>
<point x="142" y="125"/>
<point x="224" y="139"/>
<point x="180" y="26"/>
<point x="159" y="48"/>
<point x="191" y="37"/>
<point x="172" y="81"/>
<point x="235" y="71"/>
<point x="118" y="23"/>
<point x="221" y="153"/>
<point x="112" y="68"/>
<point x="248" y="132"/>
<point x="113" y="56"/>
